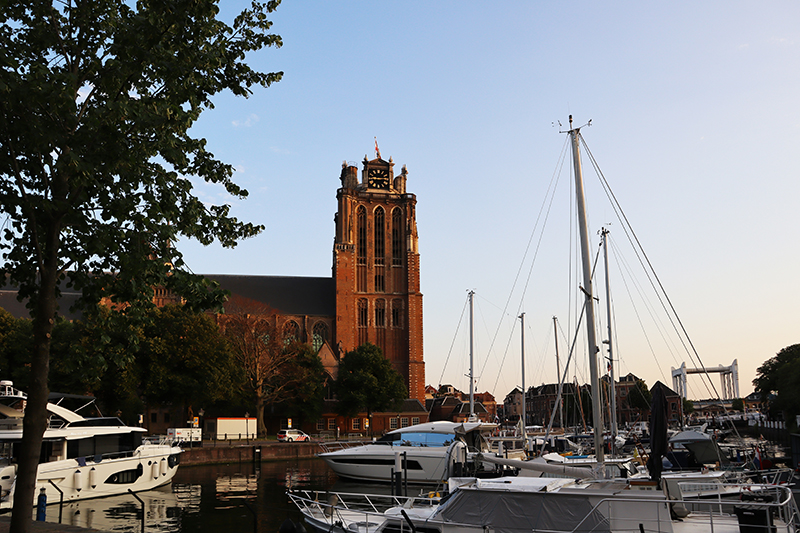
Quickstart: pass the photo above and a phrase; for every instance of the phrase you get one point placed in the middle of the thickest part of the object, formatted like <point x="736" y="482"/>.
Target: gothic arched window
<point x="380" y="313"/>
<point x="320" y="335"/>
<point x="291" y="332"/>
<point x="380" y="236"/>
<point x="363" y="319"/>
<point x="379" y="220"/>
<point x="361" y="249"/>
<point x="361" y="233"/>
<point x="397" y="313"/>
<point x="397" y="237"/>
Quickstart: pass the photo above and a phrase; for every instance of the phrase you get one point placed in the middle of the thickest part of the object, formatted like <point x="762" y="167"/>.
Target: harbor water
<point x="239" y="497"/>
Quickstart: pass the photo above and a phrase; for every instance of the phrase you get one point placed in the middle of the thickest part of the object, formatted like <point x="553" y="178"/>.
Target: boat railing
<point x="161" y="440"/>
<point x="773" y="476"/>
<point x="100" y="457"/>
<point x="342" y="445"/>
<point x="509" y="444"/>
<point x="348" y="508"/>
<point x="772" y="506"/>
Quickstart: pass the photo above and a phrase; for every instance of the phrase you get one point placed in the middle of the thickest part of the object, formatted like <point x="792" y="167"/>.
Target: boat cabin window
<point x="103" y="444"/>
<point x="417" y="439"/>
<point x="6" y="452"/>
<point x="9" y="451"/>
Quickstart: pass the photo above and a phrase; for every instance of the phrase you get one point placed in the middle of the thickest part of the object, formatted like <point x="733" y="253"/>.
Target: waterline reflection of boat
<point x="109" y="514"/>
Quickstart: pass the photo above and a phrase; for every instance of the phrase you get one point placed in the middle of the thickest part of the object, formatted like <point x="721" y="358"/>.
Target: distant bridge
<point x="729" y="376"/>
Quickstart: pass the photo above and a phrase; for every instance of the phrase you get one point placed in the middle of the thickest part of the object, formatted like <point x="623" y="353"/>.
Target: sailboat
<point x="529" y="504"/>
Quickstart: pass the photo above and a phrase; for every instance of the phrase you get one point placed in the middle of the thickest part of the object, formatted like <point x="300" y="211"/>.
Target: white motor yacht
<point x="81" y="457"/>
<point x="433" y="452"/>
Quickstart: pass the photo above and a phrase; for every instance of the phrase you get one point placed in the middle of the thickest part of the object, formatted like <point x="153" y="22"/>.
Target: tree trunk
<point x="262" y="427"/>
<point x="35" y="421"/>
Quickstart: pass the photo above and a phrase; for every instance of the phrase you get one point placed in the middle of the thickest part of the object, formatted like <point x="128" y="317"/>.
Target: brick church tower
<point x="376" y="268"/>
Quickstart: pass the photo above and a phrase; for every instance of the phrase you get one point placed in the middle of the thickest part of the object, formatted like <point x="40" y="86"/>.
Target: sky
<point x="695" y="120"/>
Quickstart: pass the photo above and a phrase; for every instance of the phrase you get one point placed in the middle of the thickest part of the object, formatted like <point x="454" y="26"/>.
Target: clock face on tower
<point x="378" y="178"/>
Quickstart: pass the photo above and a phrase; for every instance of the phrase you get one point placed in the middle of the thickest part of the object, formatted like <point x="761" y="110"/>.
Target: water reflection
<point x="235" y="497"/>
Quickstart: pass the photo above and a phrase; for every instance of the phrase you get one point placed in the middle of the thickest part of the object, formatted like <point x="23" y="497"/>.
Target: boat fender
<point x="76" y="480"/>
<point x="41" y="506"/>
<point x="155" y="469"/>
<point x="93" y="477"/>
<point x="162" y="466"/>
<point x="172" y="460"/>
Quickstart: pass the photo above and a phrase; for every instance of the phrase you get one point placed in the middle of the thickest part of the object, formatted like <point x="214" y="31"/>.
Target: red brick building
<point x="373" y="294"/>
<point x="376" y="268"/>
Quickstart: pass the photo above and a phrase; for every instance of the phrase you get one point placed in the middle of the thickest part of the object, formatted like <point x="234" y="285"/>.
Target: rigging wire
<point x="450" y="351"/>
<point x="660" y="326"/>
<point x="550" y="193"/>
<point x="540" y="369"/>
<point x="660" y="291"/>
<point x="622" y="268"/>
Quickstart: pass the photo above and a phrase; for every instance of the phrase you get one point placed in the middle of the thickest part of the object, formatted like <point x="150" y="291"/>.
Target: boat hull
<point x="376" y="463"/>
<point x="148" y="467"/>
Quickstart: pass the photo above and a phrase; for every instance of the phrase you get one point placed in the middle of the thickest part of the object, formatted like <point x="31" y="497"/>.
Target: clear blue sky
<point x="696" y="120"/>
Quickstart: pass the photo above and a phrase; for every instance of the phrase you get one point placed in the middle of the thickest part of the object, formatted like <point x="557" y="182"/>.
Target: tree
<point x="737" y="404"/>
<point x="367" y="382"/>
<point x="96" y="161"/>
<point x="688" y="406"/>
<point x="266" y="358"/>
<point x="305" y="397"/>
<point x="66" y="373"/>
<point x="639" y="396"/>
<point x="184" y="359"/>
<point x="780" y="375"/>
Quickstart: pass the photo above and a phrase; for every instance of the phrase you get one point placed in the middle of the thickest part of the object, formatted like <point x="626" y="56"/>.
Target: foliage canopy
<point x="96" y="160"/>
<point x="276" y="367"/>
<point x="780" y="375"/>
<point x="367" y="382"/>
<point x="639" y="397"/>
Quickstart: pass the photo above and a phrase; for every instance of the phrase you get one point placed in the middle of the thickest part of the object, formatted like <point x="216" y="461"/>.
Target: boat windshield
<point x="417" y="439"/>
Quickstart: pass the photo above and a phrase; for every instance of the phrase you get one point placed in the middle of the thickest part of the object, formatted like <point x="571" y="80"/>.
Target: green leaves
<point x="98" y="99"/>
<point x="780" y="375"/>
<point x="367" y="382"/>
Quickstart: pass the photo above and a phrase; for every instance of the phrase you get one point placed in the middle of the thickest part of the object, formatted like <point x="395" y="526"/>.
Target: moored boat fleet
<point x="553" y="493"/>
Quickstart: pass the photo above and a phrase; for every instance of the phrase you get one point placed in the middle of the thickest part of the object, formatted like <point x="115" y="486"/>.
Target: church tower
<point x="376" y="268"/>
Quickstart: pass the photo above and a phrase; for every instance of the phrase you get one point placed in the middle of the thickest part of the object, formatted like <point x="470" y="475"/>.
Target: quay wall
<point x="253" y="452"/>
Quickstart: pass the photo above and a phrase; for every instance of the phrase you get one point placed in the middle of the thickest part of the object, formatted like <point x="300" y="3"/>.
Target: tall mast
<point x="558" y="369"/>
<point x="524" y="415"/>
<point x="597" y="413"/>
<point x="471" y="375"/>
<point x="604" y="233"/>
